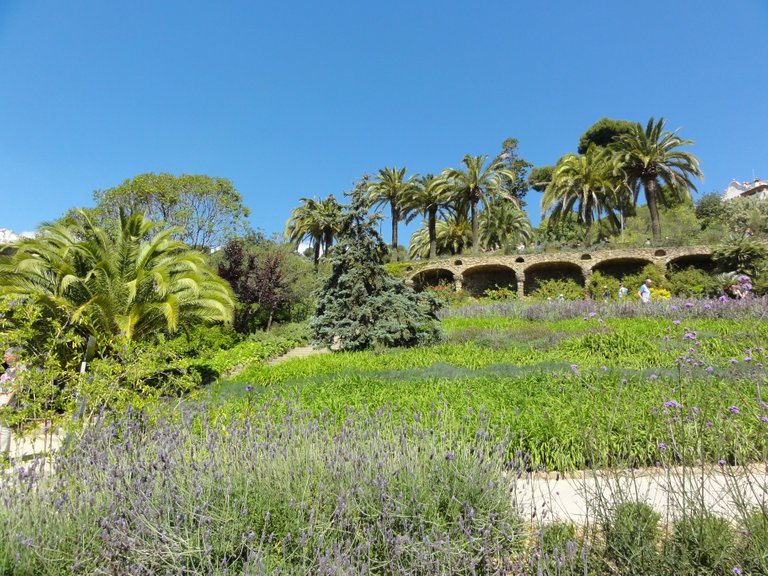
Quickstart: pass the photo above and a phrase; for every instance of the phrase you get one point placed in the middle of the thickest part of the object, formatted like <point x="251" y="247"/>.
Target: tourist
<point x="647" y="242"/>
<point x="622" y="291"/>
<point x="645" y="291"/>
<point x="606" y="294"/>
<point x="7" y="394"/>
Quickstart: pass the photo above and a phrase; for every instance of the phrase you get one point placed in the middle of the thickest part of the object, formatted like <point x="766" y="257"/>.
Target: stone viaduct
<point x="476" y="274"/>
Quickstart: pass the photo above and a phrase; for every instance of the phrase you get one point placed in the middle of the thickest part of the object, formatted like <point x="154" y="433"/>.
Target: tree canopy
<point x="206" y="210"/>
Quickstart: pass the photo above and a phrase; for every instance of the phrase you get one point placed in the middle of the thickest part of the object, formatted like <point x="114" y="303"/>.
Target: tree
<point x="540" y="177"/>
<point x="584" y="182"/>
<point x="134" y="282"/>
<point x="503" y="222"/>
<point x="603" y="133"/>
<point x="710" y="209"/>
<point x="316" y="221"/>
<point x="430" y="196"/>
<point x="651" y="158"/>
<point x="205" y="210"/>
<point x="360" y="304"/>
<point x="476" y="183"/>
<point x="453" y="235"/>
<point x="267" y="279"/>
<point x="518" y="186"/>
<point x="391" y="187"/>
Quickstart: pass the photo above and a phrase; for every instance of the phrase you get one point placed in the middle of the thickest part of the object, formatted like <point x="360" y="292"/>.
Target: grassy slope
<point x="608" y="410"/>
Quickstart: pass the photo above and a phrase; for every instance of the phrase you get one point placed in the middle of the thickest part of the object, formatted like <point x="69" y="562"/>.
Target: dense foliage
<point x="361" y="304"/>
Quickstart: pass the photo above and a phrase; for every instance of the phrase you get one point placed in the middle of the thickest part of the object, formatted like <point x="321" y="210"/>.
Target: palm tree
<point x="429" y="197"/>
<point x="476" y="183"/>
<point x="131" y="282"/>
<point x="391" y="187"/>
<point x="585" y="182"/>
<point x="317" y="221"/>
<point x="503" y="222"/>
<point x="651" y="158"/>
<point x="453" y="235"/>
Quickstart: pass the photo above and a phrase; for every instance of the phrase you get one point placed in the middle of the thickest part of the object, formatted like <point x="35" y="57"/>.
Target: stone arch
<point x="431" y="278"/>
<point x="702" y="261"/>
<point x="618" y="267"/>
<point x="660" y="253"/>
<point x="480" y="278"/>
<point x="535" y="274"/>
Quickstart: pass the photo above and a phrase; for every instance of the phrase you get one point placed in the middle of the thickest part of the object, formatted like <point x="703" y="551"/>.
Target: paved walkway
<point x="721" y="490"/>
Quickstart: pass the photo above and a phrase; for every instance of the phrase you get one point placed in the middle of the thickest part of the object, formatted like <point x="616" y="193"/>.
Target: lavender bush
<point x="264" y="494"/>
<point x="683" y="308"/>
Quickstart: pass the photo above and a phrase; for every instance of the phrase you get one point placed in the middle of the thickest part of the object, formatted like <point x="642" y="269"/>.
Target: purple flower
<point x="707" y="306"/>
<point x="736" y="570"/>
<point x="763" y="418"/>
<point x="574" y="367"/>
<point x="449" y="456"/>
<point x="673" y="404"/>
<point x="654" y="377"/>
<point x="592" y="314"/>
<point x="743" y="278"/>
<point x="662" y="446"/>
<point x="709" y="369"/>
<point x="721" y="462"/>
<point x="689" y="304"/>
<point x="733" y="360"/>
<point x="747" y="359"/>
<point x="676" y="322"/>
<point x="733" y="409"/>
<point x="695" y="410"/>
<point x="249" y="388"/>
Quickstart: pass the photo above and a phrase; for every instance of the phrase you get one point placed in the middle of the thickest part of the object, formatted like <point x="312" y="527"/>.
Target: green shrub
<point x="632" y="535"/>
<point x="501" y="294"/>
<point x="633" y="281"/>
<point x="553" y="288"/>
<point x="693" y="282"/>
<point x="753" y="548"/>
<point x="598" y="283"/>
<point x="701" y="544"/>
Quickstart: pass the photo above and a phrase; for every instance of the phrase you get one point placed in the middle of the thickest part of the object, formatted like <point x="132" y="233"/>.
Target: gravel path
<point x="300" y="352"/>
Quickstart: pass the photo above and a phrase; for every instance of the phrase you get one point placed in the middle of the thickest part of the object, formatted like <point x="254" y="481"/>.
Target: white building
<point x="756" y="188"/>
<point x="7" y="236"/>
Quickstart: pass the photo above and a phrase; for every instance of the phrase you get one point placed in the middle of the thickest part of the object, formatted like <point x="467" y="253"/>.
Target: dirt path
<point x="300" y="352"/>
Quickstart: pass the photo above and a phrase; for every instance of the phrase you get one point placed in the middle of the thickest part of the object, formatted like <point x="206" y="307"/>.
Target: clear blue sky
<point x="294" y="99"/>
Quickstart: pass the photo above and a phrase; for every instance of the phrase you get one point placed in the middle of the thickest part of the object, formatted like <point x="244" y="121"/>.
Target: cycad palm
<point x="651" y="158"/>
<point x="317" y="221"/>
<point x="584" y="182"/>
<point x="133" y="283"/>
<point x="430" y="196"/>
<point x="393" y="188"/>
<point x="476" y="183"/>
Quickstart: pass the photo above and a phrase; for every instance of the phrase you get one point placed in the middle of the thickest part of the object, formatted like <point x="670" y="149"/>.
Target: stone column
<point x="520" y="285"/>
<point x="458" y="280"/>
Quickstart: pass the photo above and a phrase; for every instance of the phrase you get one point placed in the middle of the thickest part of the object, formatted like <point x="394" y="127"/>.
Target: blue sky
<point x="299" y="99"/>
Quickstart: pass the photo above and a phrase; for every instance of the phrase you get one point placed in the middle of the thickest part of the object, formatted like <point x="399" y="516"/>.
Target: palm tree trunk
<point x="395" y="222"/>
<point x="316" y="257"/>
<point x="432" y="226"/>
<point x="651" y="196"/>
<point x="475" y="226"/>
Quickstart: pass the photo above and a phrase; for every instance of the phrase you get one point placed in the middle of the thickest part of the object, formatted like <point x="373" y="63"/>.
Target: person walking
<point x="622" y="291"/>
<point x="645" y="291"/>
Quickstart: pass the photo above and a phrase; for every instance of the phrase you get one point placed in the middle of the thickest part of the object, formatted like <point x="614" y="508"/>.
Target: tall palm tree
<point x="393" y="188"/>
<point x="503" y="222"/>
<point x="476" y="183"/>
<point x="585" y="182"/>
<point x="317" y="221"/>
<point x="651" y="158"/>
<point x="429" y="197"/>
<point x="132" y="282"/>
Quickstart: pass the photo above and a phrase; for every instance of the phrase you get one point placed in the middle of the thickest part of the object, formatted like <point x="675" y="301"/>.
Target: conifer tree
<point x="361" y="304"/>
